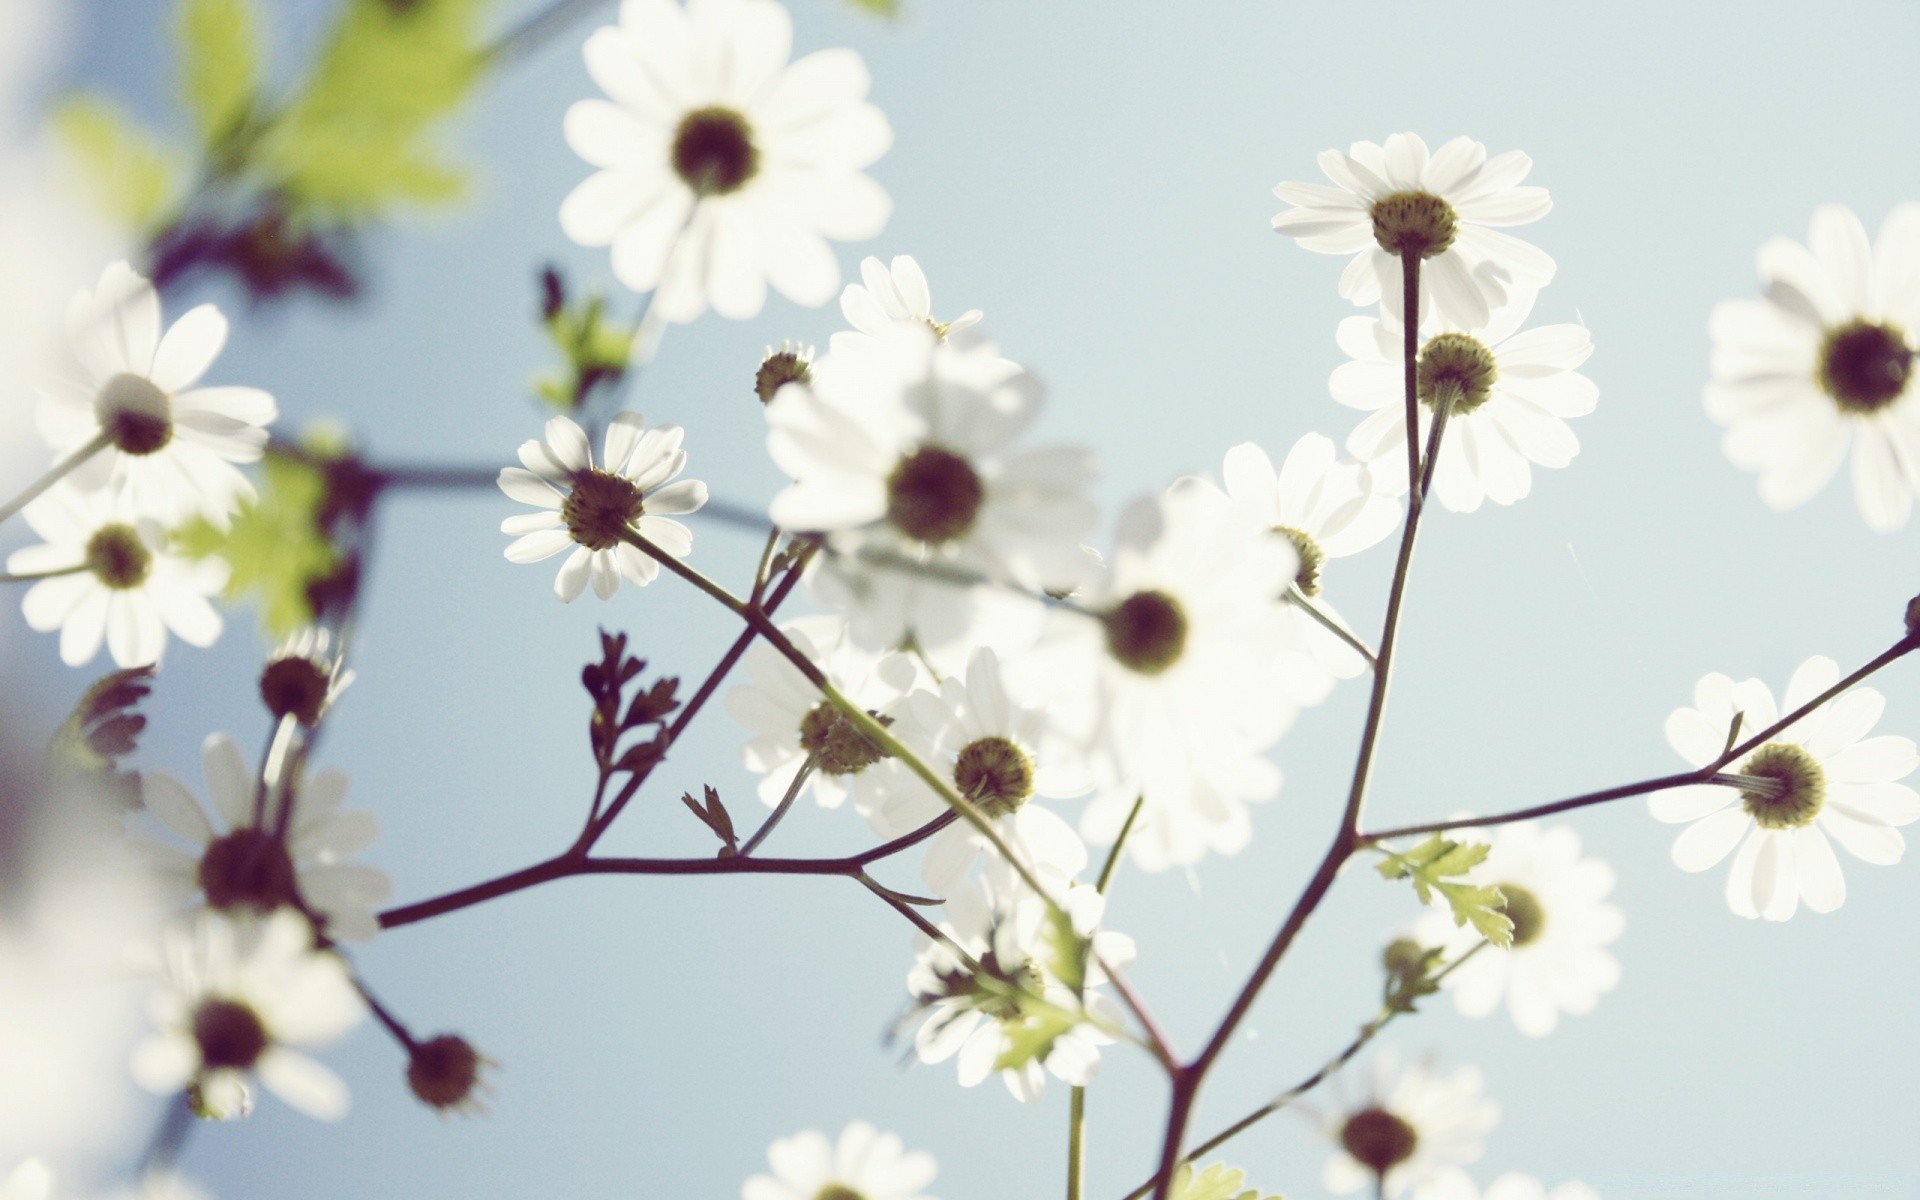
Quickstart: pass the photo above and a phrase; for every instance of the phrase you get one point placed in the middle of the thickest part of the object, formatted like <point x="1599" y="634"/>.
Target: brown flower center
<point x="779" y="369"/>
<point x="1312" y="558"/>
<point x="713" y="151"/>
<point x="995" y="774"/>
<point x="295" y="687"/>
<point x="248" y="868"/>
<point x="1416" y="222"/>
<point x="933" y="495"/>
<point x="136" y="415"/>
<point x="230" y="1035"/>
<point x="118" y="558"/>
<point x="1457" y="369"/>
<point x="443" y="1070"/>
<point x="600" y="508"/>
<point x="837" y="746"/>
<point x="1378" y="1139"/>
<point x="1146" y="632"/>
<point x="1803" y="787"/>
<point x="1523" y="909"/>
<point x="1865" y="365"/>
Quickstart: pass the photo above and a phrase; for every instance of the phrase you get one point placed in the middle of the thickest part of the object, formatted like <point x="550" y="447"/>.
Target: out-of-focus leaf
<point x="1031" y="1035"/>
<point x="595" y="347"/>
<point x="878" y="8"/>
<point x="1217" y="1182"/>
<point x="356" y="139"/>
<point x="219" y="63"/>
<point x="275" y="547"/>
<point x="125" y="163"/>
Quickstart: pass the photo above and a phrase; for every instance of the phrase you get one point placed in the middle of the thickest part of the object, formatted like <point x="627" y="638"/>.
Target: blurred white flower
<point x="1004" y="927"/>
<point x="235" y="997"/>
<point x="1562" y="925"/>
<point x="1830" y="780"/>
<point x="245" y="867"/>
<point x="1824" y="361"/>
<point x="711" y="131"/>
<point x="1328" y="509"/>
<point x="1413" y="1133"/>
<point x="866" y="1165"/>
<point x="790" y="720"/>
<point x="895" y="295"/>
<point x="904" y="454"/>
<point x="32" y="1180"/>
<point x="1445" y="208"/>
<point x="170" y="445"/>
<point x="1510" y="395"/>
<point x="1511" y="1186"/>
<point x="133" y="587"/>
<point x="586" y="506"/>
<point x="998" y="754"/>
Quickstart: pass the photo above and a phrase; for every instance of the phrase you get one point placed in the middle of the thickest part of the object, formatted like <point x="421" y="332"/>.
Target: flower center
<point x="136" y="415"/>
<point x="1457" y="369"/>
<point x="1803" y="787"/>
<point x="838" y="748"/>
<point x="1865" y="365"/>
<point x="295" y="687"/>
<point x="600" y="508"/>
<point x="230" y="1035"/>
<point x="1414" y="222"/>
<point x="933" y="495"/>
<point x="713" y="151"/>
<point x="837" y="1191"/>
<point x="778" y="369"/>
<point x="1523" y="909"/>
<point x="1146" y="632"/>
<point x="1312" y="558"/>
<point x="247" y="868"/>
<point x="995" y="774"/>
<point x="442" y="1071"/>
<point x="1378" y="1139"/>
<point x="117" y="556"/>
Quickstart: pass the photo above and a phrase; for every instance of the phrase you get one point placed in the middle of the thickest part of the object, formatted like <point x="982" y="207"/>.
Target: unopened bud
<point x="444" y="1072"/>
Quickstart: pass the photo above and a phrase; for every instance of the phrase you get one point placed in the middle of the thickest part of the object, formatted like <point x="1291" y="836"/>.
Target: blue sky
<point x="1096" y="178"/>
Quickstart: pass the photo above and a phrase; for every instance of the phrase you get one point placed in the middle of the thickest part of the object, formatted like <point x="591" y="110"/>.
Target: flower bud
<point x="444" y="1072"/>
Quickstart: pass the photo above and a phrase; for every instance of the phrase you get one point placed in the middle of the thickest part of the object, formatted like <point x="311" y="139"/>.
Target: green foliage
<point x="276" y="547"/>
<point x="1217" y="1182"/>
<point x="877" y="8"/>
<point x="355" y="139"/>
<point x="123" y="161"/>
<point x="1031" y="1035"/>
<point x="1431" y="863"/>
<point x="219" y="64"/>
<point x="595" y="349"/>
<point x="1067" y="952"/>
<point x="1412" y="971"/>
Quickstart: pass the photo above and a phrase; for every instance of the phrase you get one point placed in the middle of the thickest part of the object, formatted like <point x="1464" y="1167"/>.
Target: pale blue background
<point x="1095" y="176"/>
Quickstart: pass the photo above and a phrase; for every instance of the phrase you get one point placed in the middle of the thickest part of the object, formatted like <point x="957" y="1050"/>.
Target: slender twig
<point x="170" y="1136"/>
<point x="1077" y="1144"/>
<point x="1119" y="843"/>
<point x="900" y="905"/>
<point x="786" y="802"/>
<point x="1307" y="605"/>
<point x="1584" y="800"/>
<point x="32" y="576"/>
<point x="393" y="1024"/>
<point x="58" y="471"/>
<point x="1410" y="355"/>
<point x="766" y="561"/>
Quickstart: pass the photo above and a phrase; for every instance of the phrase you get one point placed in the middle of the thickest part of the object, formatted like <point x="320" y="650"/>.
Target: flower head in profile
<point x="722" y="166"/>
<point x="997" y="753"/>
<point x="865" y="1165"/>
<point x="1412" y="1133"/>
<point x="170" y="445"/>
<point x="794" y="726"/>
<point x="131" y="588"/>
<point x="244" y="867"/>
<point x="591" y="506"/>
<point x="1825" y="781"/>
<point x="972" y="1010"/>
<point x="1562" y="925"/>
<point x="1509" y="395"/>
<point x="236" y="997"/>
<point x="905" y="455"/>
<point x="1447" y="208"/>
<point x="892" y="296"/>
<point x="304" y="676"/>
<point x="1826" y="361"/>
<point x="1328" y="509"/>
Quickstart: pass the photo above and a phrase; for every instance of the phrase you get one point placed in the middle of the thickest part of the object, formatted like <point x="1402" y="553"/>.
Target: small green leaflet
<point x="274" y="548"/>
<point x="127" y="166"/>
<point x="1031" y="1035"/>
<point x="1431" y="862"/>
<point x="1217" y="1182"/>
<point x="219" y="64"/>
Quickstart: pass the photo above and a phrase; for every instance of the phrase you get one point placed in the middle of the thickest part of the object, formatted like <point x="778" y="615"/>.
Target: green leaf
<point x="1429" y="865"/>
<point x="1410" y="968"/>
<point x="356" y="140"/>
<point x="126" y="164"/>
<point x="1217" y="1182"/>
<point x="595" y="348"/>
<point x="1485" y="907"/>
<point x="219" y="63"/>
<point x="274" y="548"/>
<point x="878" y="8"/>
<point x="1067" y="952"/>
<point x="1031" y="1035"/>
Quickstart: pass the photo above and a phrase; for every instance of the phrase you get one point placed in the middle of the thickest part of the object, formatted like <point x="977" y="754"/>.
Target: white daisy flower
<point x="998" y="754"/>
<point x="1511" y="1186"/>
<point x="1328" y="509"/>
<point x="1184" y="678"/>
<point x="891" y="295"/>
<point x="1510" y="395"/>
<point x="304" y="676"/>
<point x="711" y="131"/>
<point x="245" y="867"/>
<point x="866" y="1165"/>
<point x="133" y="588"/>
<point x="236" y="997"/>
<point x="1002" y="925"/>
<point x="1824" y="361"/>
<point x="1446" y="208"/>
<point x="1412" y="1134"/>
<point x="1830" y="780"/>
<point x="587" y="506"/>
<point x="170" y="445"/>
<point x="790" y="721"/>
<point x="905" y="456"/>
<point x="1562" y="925"/>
